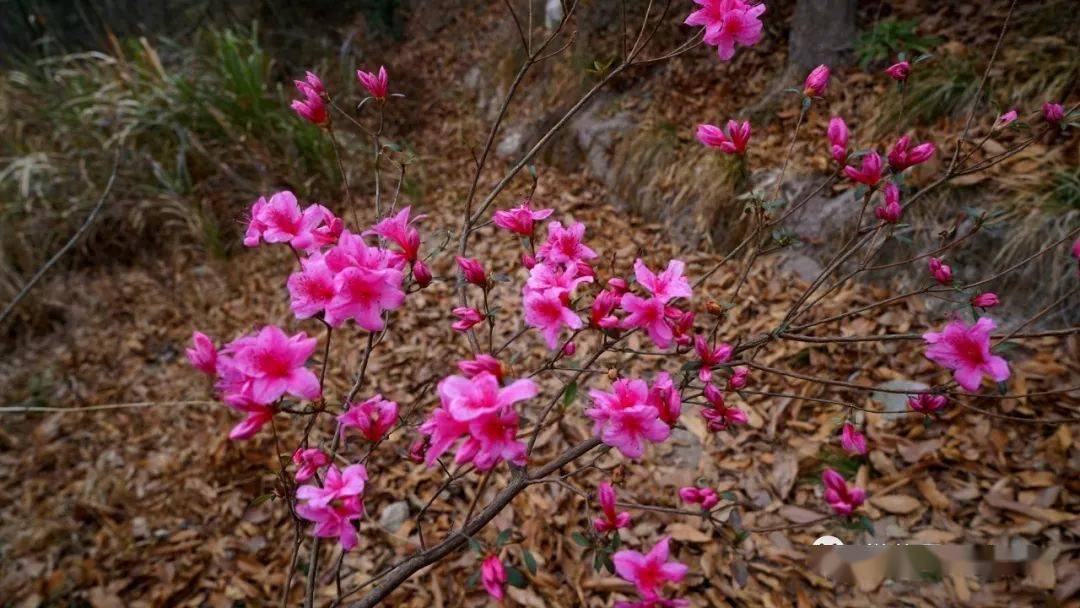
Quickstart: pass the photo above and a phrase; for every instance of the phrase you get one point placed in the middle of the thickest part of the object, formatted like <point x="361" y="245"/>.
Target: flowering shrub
<point x="489" y="416"/>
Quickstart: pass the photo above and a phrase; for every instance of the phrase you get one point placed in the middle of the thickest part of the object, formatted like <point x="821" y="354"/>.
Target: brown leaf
<point x="896" y="503"/>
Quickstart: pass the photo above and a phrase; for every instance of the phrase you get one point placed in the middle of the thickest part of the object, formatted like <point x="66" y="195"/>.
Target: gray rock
<point x="803" y="266"/>
<point x="895" y="404"/>
<point x="393" y="516"/>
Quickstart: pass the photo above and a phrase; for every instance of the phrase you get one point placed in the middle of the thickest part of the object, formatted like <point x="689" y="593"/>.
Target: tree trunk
<point x="822" y="31"/>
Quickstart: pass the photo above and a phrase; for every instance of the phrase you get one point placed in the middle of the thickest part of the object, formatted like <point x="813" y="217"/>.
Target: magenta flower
<point x="338" y="485"/>
<point x="274" y="363"/>
<point x="706" y="497"/>
<point x="891" y="210"/>
<point x="739" y="378"/>
<point x="1006" y="118"/>
<point x="710" y="356"/>
<point x="421" y="273"/>
<point x="472" y="270"/>
<point x="467" y="317"/>
<point x="624" y="419"/>
<point x="493" y="576"/>
<point x="841" y="497"/>
<point x="942" y="272"/>
<point x="927" y="403"/>
<point x="668" y="285"/>
<point x="719" y="416"/>
<point x="377" y="85"/>
<point x="852" y="440"/>
<point x="335" y="505"/>
<point x="481" y="364"/>
<point x="611" y="520"/>
<point x="203" y="356"/>
<point x="311" y="85"/>
<point x="986" y="300"/>
<point x="367" y="283"/>
<point x="373" y="418"/>
<point x="727" y="23"/>
<point x="900" y="157"/>
<point x="399" y="230"/>
<point x="312" y="287"/>
<point x="470" y="398"/>
<point x="651" y="571"/>
<point x="870" y="171"/>
<point x="311" y="108"/>
<point x="732" y="142"/>
<point x="602" y="307"/>
<point x="280" y="220"/>
<point x="665" y="398"/>
<point x="966" y="350"/>
<point x="816" y="81"/>
<point x="648" y="314"/>
<point x="564" y="245"/>
<point x="899" y="71"/>
<point x="1053" y="113"/>
<point x="308" y="462"/>
<point x="257" y="416"/>
<point x="543" y="277"/>
<point x="521" y="219"/>
<point x="547" y="311"/>
<point x="838" y="139"/>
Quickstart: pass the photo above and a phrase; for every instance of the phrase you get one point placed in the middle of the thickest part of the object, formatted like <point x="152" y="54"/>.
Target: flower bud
<point x="899" y="71"/>
<point x="817" y="81"/>
<point x="569" y="349"/>
<point x="421" y="273"/>
<point x="985" y="300"/>
<point x="473" y="271"/>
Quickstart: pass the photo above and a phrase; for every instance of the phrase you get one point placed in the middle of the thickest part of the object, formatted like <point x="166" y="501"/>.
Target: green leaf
<point x="473" y="579"/>
<point x="866" y="524"/>
<point x="476" y="546"/>
<point x="570" y="393"/>
<point x="515" y="577"/>
<point x="580" y="539"/>
<point x="530" y="561"/>
<point x="610" y="565"/>
<point x="258" y="501"/>
<point x="503" y="537"/>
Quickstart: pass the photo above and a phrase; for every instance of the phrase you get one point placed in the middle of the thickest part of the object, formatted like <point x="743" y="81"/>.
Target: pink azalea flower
<point x="308" y="462"/>
<point x="258" y="415"/>
<point x="870" y="171"/>
<point x="710" y="357"/>
<point x="311" y="108"/>
<point x="543" y="277"/>
<point x="624" y="420"/>
<point x="651" y="571"/>
<point x="467" y="317"/>
<point x="377" y="85"/>
<point x="618" y="286"/>
<point x="841" y="497"/>
<point x="891" y="210"/>
<point x="852" y="440"/>
<point x="367" y="283"/>
<point x="338" y="485"/>
<point x="738" y="379"/>
<point x="373" y="418"/>
<point x="493" y="576"/>
<point x="335" y="505"/>
<point x="203" y="356"/>
<point x="547" y="311"/>
<point x="706" y="497"/>
<point x="482" y="363"/>
<point x="727" y="23"/>
<point x="312" y="287"/>
<point x="838" y="139"/>
<point x="927" y="403"/>
<point x="738" y="137"/>
<point x="280" y="220"/>
<point x="720" y="416"/>
<point x="899" y="71"/>
<point x="986" y="300"/>
<point x="648" y="314"/>
<point x="564" y="245"/>
<point x="966" y="350"/>
<point x="470" y="398"/>
<point x="310" y="83"/>
<point x="521" y="219"/>
<point x="602" y="307"/>
<point x="665" y="398"/>
<point x="816" y="81"/>
<point x="1053" y="113"/>
<point x="1006" y="118"/>
<point x="255" y="227"/>
<point x="611" y="520"/>
<point x="942" y="272"/>
<point x="399" y="230"/>
<point x="668" y="285"/>
<point x="275" y="362"/>
<point x="900" y="157"/>
<point x="472" y="270"/>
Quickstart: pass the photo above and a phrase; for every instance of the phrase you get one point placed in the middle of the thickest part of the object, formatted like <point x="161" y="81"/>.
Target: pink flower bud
<point x="891" y="210"/>
<point x="942" y="272"/>
<point x="852" y="440"/>
<point x="985" y="300"/>
<point x="900" y="157"/>
<point x="690" y="495"/>
<point x="899" y="71"/>
<point x="709" y="499"/>
<point x="838" y="139"/>
<point x="311" y="109"/>
<point x="417" y="450"/>
<point x="926" y="403"/>
<point x="528" y="261"/>
<point x="1006" y="118"/>
<point x="472" y="270"/>
<point x="870" y="171"/>
<point x="1053" y="113"/>
<point x="310" y="83"/>
<point x="204" y="355"/>
<point x="617" y="285"/>
<point x="739" y="379"/>
<point x="817" y="81"/>
<point x="482" y="363"/>
<point x="377" y="85"/>
<point x="421" y="273"/>
<point x="493" y="576"/>
<point x="467" y="317"/>
<point x="841" y="497"/>
<point x="569" y="349"/>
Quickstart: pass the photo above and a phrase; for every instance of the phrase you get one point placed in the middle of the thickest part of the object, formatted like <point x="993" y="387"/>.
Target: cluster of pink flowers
<point x="336" y="504"/>
<point x="308" y="462"/>
<point x="732" y="142"/>
<point x="632" y="414"/>
<point x="372" y="418"/>
<point x="280" y="220"/>
<point x="480" y="410"/>
<point x="706" y="497"/>
<point x="611" y="520"/>
<point x="719" y="415"/>
<point x="727" y="23"/>
<point x="311" y="108"/>
<point x="649" y="573"/>
<point x="255" y="371"/>
<point x="890" y="211"/>
<point x="965" y="349"/>
<point x="653" y="314"/>
<point x="841" y="497"/>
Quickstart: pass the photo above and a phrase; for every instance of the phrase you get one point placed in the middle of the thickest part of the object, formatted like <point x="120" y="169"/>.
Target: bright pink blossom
<point x="399" y="230"/>
<point x="899" y="71"/>
<point x="890" y="210"/>
<point x="1006" y="118"/>
<point x="966" y="350"/>
<point x="334" y="506"/>
<point x="203" y="356"/>
<point x="472" y="270"/>
<point x="482" y="363"/>
<point x="308" y="462"/>
<point x="927" y="403"/>
<point x="521" y="219"/>
<point x="493" y="576"/>
<point x="648" y="314"/>
<point x="941" y="271"/>
<point x="547" y="311"/>
<point x="651" y="571"/>
<point x="312" y="287"/>
<point x="870" y="171"/>
<point x="901" y="157"/>
<point x="624" y="419"/>
<point x="986" y="300"/>
<point x="665" y="398"/>
<point x="732" y="142"/>
<point x="373" y="417"/>
<point x="611" y="520"/>
<point x="377" y="85"/>
<point x="257" y="416"/>
<point x="816" y="81"/>
<point x="710" y="356"/>
<point x="852" y="440"/>
<point x="739" y="378"/>
<point x="668" y="285"/>
<point x="564" y="245"/>
<point x="543" y="277"/>
<point x="706" y="497"/>
<point x="311" y="108"/>
<point x="1053" y="113"/>
<point x="280" y="220"/>
<point x="719" y="416"/>
<point x="367" y="284"/>
<point x="838" y="139"/>
<point x="311" y="83"/>
<point x="274" y="364"/>
<point x="841" y="497"/>
<point x="600" y="314"/>
<point x="727" y="23"/>
<point x="467" y="317"/>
